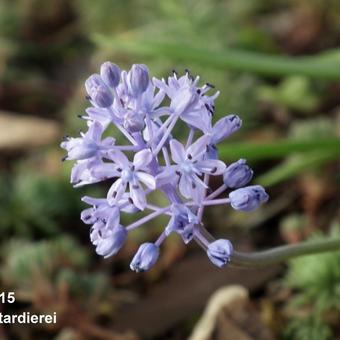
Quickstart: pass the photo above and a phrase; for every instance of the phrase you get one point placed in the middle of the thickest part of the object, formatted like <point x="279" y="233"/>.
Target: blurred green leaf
<point x="295" y="165"/>
<point x="261" y="63"/>
<point x="294" y="92"/>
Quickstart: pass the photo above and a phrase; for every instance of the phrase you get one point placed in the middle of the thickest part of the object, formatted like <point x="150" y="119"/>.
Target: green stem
<point x="278" y="148"/>
<point x="283" y="253"/>
<point x="318" y="66"/>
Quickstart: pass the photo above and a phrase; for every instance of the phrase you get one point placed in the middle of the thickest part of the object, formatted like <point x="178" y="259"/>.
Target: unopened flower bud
<point x="138" y="79"/>
<point x="145" y="257"/>
<point x="133" y="121"/>
<point x="98" y="91"/>
<point x="248" y="198"/>
<point x="225" y="127"/>
<point x="110" y="240"/>
<point x="238" y="174"/>
<point x="110" y="74"/>
<point x="219" y="252"/>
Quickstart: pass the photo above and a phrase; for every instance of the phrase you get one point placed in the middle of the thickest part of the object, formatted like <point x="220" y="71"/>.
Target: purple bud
<point x="98" y="91"/>
<point x="145" y="257"/>
<point x="238" y="174"/>
<point x="110" y="74"/>
<point x="225" y="127"/>
<point x="109" y="241"/>
<point x="248" y="198"/>
<point x="138" y="79"/>
<point x="134" y="121"/>
<point x="219" y="252"/>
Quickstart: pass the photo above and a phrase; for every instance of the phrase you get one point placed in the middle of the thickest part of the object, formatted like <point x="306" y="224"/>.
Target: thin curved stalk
<point x="283" y="253"/>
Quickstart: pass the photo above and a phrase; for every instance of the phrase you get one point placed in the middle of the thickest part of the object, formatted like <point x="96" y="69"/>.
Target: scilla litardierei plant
<point x="146" y="111"/>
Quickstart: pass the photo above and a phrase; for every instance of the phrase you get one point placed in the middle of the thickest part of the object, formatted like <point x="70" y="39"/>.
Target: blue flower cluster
<point x="145" y="111"/>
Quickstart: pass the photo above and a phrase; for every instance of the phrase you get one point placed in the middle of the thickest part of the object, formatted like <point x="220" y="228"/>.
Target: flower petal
<point x="114" y="218"/>
<point x="199" y="119"/>
<point x="177" y="151"/>
<point x="95" y="131"/>
<point x="197" y="149"/>
<point x="185" y="186"/>
<point x="142" y="159"/>
<point x="211" y="166"/>
<point x="166" y="176"/>
<point x="137" y="195"/>
<point x="116" y="191"/>
<point x="119" y="158"/>
<point x="147" y="179"/>
<point x="104" y="171"/>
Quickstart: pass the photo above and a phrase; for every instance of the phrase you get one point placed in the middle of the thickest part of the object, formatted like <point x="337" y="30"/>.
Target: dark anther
<point x="207" y="106"/>
<point x="87" y="217"/>
<point x="100" y="233"/>
<point x="119" y="170"/>
<point x="80" y="116"/>
<point x="193" y="185"/>
<point x="114" y="194"/>
<point x="198" y="91"/>
<point x="135" y="187"/>
<point x="87" y="97"/>
<point x="174" y="72"/>
<point x="178" y="173"/>
<point x="187" y="71"/>
<point x="233" y="117"/>
<point x="121" y="101"/>
<point x="189" y="156"/>
<point x="213" y="170"/>
<point x="130" y="200"/>
<point x="65" y="138"/>
<point x="210" y="85"/>
<point x="133" y="168"/>
<point x="64" y="159"/>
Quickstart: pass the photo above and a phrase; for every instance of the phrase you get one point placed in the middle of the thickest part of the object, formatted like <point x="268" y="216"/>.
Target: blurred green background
<point x="277" y="65"/>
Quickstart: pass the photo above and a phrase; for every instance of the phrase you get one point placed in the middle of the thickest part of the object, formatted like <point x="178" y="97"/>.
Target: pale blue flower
<point x="110" y="73"/>
<point x="248" y="198"/>
<point x="98" y="91"/>
<point x="145" y="114"/>
<point x="145" y="257"/>
<point x="219" y="252"/>
<point x="237" y="174"/>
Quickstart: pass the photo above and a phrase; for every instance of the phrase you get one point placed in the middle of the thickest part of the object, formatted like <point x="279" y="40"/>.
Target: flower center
<point x="127" y="175"/>
<point x="187" y="167"/>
